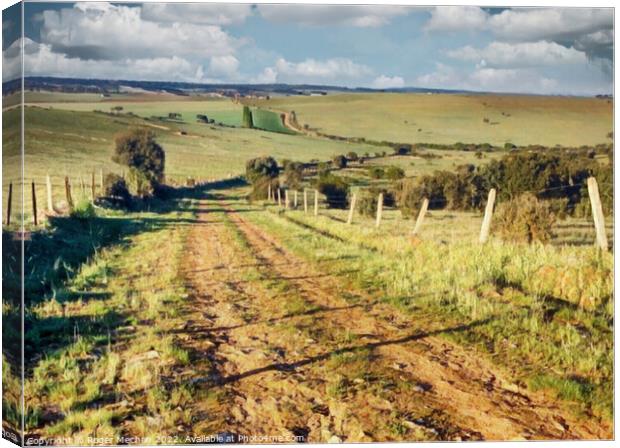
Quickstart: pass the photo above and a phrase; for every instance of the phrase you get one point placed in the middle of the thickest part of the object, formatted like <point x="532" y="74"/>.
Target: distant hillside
<point x="104" y="86"/>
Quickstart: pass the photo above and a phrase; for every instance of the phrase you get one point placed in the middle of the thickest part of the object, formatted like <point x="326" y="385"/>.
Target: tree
<point x="525" y="219"/>
<point x="145" y="158"/>
<point x="340" y="162"/>
<point x="335" y="189"/>
<point x="261" y="167"/>
<point x="247" y="121"/>
<point x="352" y="156"/>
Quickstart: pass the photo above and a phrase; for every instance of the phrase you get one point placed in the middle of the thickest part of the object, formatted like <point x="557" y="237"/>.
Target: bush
<point x="335" y="189"/>
<point x="367" y="200"/>
<point x="293" y="175"/>
<point x="376" y="172"/>
<point x="84" y="209"/>
<point x="260" y="167"/>
<point x="525" y="219"/>
<point x="394" y="173"/>
<point x="115" y="190"/>
<point x="352" y="155"/>
<point x="339" y="162"/>
<point x="145" y="158"/>
<point x="260" y="188"/>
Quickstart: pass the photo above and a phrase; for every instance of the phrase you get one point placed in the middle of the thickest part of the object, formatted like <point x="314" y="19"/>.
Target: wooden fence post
<point x="418" y="222"/>
<point x="50" y="197"/>
<point x="379" y="209"/>
<point x="287" y="202"/>
<point x="316" y="202"/>
<point x="269" y="192"/>
<point x="35" y="219"/>
<point x="488" y="213"/>
<point x="305" y="201"/>
<point x="279" y="198"/>
<point x="93" y="187"/>
<point x="597" y="213"/>
<point x="83" y="186"/>
<point x="352" y="209"/>
<point x="68" y="193"/>
<point x="295" y="199"/>
<point x="8" y="204"/>
<point x="101" y="181"/>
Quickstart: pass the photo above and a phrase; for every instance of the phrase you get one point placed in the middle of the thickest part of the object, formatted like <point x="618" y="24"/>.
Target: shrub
<point x="402" y="150"/>
<point x="376" y="172"/>
<point x="394" y="173"/>
<point x="525" y="219"/>
<point x="293" y="174"/>
<point x="260" y="167"/>
<point x="335" y="190"/>
<point x="352" y="155"/>
<point x="84" y="209"/>
<point x="339" y="162"/>
<point x="145" y="158"/>
<point x="367" y="200"/>
<point x="115" y="187"/>
<point x="260" y="188"/>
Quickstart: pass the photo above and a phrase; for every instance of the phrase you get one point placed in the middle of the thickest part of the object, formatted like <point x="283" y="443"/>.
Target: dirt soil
<point x="291" y="352"/>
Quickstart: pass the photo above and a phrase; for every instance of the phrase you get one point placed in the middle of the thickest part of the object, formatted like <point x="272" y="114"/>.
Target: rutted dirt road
<point x="293" y="354"/>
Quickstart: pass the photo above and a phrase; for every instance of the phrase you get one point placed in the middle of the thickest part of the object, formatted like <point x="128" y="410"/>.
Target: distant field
<point x="415" y="118"/>
<point x="268" y="120"/>
<point x="66" y="142"/>
<point x="221" y="110"/>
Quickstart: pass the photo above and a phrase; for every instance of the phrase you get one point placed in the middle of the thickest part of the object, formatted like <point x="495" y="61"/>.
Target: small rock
<point x="359" y="381"/>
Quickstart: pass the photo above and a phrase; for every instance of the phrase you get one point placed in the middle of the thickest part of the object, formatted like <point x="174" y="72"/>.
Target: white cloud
<point x="527" y="54"/>
<point x="532" y="24"/>
<point x="338" y="70"/>
<point x="318" y="15"/>
<point x="107" y="32"/>
<point x="224" y="67"/>
<point x="489" y="80"/>
<point x="387" y="82"/>
<point x="456" y="18"/>
<point x="198" y="13"/>
<point x="39" y="60"/>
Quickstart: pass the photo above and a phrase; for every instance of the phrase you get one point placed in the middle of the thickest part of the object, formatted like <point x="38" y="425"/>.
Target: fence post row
<point x="597" y="213"/>
<point x="379" y="209"/>
<point x="488" y="213"/>
<point x="35" y="219"/>
<point x="316" y="202"/>
<point x="352" y="209"/>
<point x="8" y="205"/>
<point x="50" y="197"/>
<point x="305" y="201"/>
<point x="418" y="222"/>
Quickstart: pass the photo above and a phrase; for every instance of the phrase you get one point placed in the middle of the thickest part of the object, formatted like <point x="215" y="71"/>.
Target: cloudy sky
<point x="547" y="50"/>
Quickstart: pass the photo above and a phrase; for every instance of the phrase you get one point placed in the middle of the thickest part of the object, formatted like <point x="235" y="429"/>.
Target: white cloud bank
<point x="318" y="15"/>
<point x="388" y="82"/>
<point x="313" y="71"/>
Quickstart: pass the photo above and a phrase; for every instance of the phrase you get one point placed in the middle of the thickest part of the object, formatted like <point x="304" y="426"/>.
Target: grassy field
<point x="269" y="121"/>
<point x="58" y="144"/>
<point x="113" y="349"/>
<point x="422" y="118"/>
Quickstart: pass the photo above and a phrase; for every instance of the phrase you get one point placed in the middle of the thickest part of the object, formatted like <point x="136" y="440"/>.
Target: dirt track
<point x="339" y="366"/>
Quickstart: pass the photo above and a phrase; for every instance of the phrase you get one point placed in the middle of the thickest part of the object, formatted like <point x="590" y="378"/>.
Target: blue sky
<point x="543" y="50"/>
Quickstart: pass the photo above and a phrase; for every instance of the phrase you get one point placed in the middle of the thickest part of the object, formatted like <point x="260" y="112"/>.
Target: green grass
<point x="545" y="312"/>
<point x="445" y="118"/>
<point x="269" y="121"/>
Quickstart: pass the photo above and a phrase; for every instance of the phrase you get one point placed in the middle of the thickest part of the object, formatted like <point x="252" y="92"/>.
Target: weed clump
<point x="525" y="219"/>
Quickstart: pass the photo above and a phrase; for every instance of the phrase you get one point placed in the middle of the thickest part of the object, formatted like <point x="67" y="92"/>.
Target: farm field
<point x="253" y="302"/>
<point x="204" y="312"/>
<point x="451" y="118"/>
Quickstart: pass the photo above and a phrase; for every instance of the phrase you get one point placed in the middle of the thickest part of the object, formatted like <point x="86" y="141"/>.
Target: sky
<point x="521" y="50"/>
